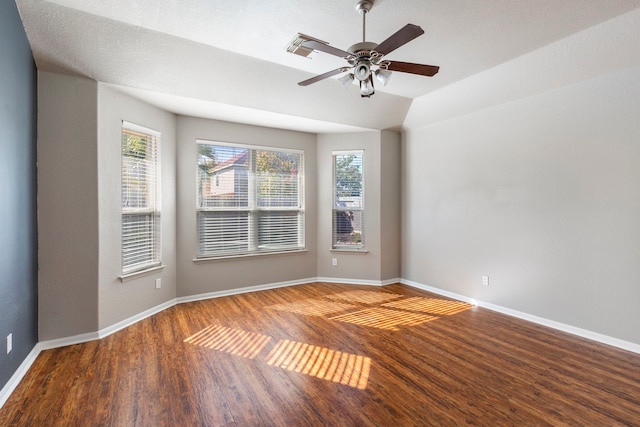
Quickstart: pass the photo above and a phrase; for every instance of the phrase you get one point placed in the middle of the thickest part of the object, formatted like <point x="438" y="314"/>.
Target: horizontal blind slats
<point x="348" y="206"/>
<point x="249" y="200"/>
<point x="140" y="200"/>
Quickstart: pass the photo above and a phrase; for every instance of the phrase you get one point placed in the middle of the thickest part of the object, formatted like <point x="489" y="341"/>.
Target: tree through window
<point x="250" y="200"/>
<point x="140" y="198"/>
<point x="348" y="200"/>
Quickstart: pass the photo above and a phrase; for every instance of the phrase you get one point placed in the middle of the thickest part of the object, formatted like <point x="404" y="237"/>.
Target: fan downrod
<point x="363" y="7"/>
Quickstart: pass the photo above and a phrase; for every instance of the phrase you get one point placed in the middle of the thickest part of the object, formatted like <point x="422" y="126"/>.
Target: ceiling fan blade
<point x="312" y="44"/>
<point x="408" y="67"/>
<point x="322" y="76"/>
<point x="403" y="36"/>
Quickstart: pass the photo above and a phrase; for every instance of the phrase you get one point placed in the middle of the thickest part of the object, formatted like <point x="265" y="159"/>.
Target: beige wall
<point x="79" y="124"/>
<point x="68" y="250"/>
<point x="120" y="300"/>
<point x="379" y="262"/>
<point x="84" y="138"/>
<point x="79" y="209"/>
<point x="542" y="195"/>
<point x="390" y="206"/>
<point x="204" y="277"/>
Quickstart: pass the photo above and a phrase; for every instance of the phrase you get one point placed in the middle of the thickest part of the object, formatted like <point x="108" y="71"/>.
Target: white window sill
<point x="136" y="274"/>
<point x="246" y="256"/>
<point x="349" y="251"/>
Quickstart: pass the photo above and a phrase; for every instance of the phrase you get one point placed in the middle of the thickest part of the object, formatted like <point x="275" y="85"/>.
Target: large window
<point x="249" y="200"/>
<point x="348" y="200"/>
<point x="140" y="198"/>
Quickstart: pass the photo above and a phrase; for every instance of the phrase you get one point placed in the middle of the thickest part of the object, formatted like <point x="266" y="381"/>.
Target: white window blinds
<point x="140" y="198"/>
<point x="250" y="200"/>
<point x="348" y="200"/>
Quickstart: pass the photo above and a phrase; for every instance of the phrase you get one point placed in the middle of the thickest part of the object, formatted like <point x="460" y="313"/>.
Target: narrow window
<point x="254" y="205"/>
<point x="140" y="198"/>
<point x="348" y="200"/>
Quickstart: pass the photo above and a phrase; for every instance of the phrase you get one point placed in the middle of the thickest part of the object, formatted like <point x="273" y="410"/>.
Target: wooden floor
<point x="330" y="355"/>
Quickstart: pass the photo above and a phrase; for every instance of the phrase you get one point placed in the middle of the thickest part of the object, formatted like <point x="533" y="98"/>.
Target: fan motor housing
<point x="363" y="47"/>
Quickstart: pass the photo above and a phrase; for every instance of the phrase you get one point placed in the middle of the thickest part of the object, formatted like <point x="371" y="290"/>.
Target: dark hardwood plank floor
<point x="330" y="355"/>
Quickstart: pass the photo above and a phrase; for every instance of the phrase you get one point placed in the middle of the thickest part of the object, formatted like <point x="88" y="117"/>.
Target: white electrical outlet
<point x="158" y="283"/>
<point x="485" y="280"/>
<point x="334" y="261"/>
<point x="9" y="343"/>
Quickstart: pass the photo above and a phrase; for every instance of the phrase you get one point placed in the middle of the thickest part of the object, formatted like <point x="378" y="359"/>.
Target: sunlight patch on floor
<point x="233" y="341"/>
<point x="320" y="362"/>
<point x="430" y="305"/>
<point x="364" y="297"/>
<point x="383" y="318"/>
<point x="312" y="307"/>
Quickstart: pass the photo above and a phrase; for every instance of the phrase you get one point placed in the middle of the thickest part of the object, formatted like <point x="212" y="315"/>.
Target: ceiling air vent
<point x="295" y="45"/>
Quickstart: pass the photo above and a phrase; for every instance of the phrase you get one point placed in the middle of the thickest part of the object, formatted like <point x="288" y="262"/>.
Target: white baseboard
<point x="439" y="291"/>
<point x="77" y="339"/>
<point x="63" y="342"/>
<point x="584" y="333"/>
<point x="19" y="374"/>
<point x="357" y="282"/>
<point x="92" y="336"/>
<point x="229" y="292"/>
<point x="134" y="319"/>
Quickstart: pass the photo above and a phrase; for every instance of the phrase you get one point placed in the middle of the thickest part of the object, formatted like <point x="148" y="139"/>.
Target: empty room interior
<point x="322" y="212"/>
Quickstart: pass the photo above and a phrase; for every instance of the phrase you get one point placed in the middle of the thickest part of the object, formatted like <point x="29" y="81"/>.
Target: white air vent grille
<point x="296" y="48"/>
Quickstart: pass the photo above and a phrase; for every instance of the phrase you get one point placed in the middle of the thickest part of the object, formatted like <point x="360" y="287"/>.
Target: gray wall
<point x="381" y="259"/>
<point x="390" y="206"/>
<point x="67" y="206"/>
<point x="18" y="253"/>
<point x="537" y="188"/>
<point x="120" y="300"/>
<point x="79" y="207"/>
<point x="541" y="194"/>
<point x="196" y="278"/>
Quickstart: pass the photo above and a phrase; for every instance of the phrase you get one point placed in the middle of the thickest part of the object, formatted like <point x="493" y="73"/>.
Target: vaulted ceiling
<point x="227" y="60"/>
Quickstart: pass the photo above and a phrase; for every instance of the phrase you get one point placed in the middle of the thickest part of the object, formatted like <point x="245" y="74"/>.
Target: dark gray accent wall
<point x="18" y="227"/>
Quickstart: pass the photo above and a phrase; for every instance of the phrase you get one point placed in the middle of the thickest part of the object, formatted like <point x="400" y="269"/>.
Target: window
<point x="249" y="200"/>
<point x="348" y="200"/>
<point x="140" y="198"/>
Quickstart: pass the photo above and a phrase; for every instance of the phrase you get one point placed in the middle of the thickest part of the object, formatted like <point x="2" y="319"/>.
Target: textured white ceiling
<point x="194" y="56"/>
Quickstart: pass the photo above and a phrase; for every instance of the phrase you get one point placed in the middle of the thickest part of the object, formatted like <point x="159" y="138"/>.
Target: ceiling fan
<point x="365" y="59"/>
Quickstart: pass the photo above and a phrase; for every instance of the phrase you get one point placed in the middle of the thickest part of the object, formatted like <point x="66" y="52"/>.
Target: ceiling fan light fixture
<point x="346" y="80"/>
<point x="366" y="59"/>
<point x="383" y="76"/>
<point x="366" y="88"/>
<point x="362" y="71"/>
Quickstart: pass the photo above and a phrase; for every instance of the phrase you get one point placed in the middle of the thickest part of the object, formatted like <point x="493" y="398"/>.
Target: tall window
<point x="140" y="198"/>
<point x="250" y="200"/>
<point x="348" y="200"/>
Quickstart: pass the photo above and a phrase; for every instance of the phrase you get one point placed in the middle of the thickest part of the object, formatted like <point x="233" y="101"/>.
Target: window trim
<point x="156" y="208"/>
<point x="136" y="274"/>
<point x="252" y="209"/>
<point x="361" y="248"/>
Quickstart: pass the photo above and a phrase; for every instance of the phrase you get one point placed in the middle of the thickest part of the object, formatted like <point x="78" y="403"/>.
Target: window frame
<point x="253" y="211"/>
<point x="152" y="260"/>
<point x="336" y="209"/>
